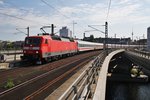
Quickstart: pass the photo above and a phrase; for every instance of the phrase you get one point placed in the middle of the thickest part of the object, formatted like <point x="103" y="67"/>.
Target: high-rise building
<point x="65" y="32"/>
<point x="148" y="38"/>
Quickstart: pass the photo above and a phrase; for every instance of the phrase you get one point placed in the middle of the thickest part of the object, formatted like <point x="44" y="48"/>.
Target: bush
<point x="9" y="84"/>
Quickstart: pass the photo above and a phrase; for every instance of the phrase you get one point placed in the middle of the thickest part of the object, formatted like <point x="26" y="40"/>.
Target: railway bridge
<point x="114" y="67"/>
<point x="92" y="82"/>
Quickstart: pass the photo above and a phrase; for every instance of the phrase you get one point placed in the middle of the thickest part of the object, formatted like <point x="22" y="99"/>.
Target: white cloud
<point x="1" y="2"/>
<point x="124" y="1"/>
<point x="122" y="11"/>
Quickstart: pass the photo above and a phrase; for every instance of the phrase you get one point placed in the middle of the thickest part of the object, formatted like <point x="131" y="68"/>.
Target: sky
<point x="124" y="17"/>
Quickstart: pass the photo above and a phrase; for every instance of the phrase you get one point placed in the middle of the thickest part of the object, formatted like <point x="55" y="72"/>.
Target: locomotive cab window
<point x="32" y="41"/>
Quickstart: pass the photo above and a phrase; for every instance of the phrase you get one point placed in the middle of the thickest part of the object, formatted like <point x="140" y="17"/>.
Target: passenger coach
<point x="86" y="46"/>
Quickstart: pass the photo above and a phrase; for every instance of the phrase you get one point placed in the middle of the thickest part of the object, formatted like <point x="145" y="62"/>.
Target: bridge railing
<point x="81" y="88"/>
<point x="10" y="55"/>
<point x="100" y="91"/>
<point x="141" y="53"/>
<point x="11" y="52"/>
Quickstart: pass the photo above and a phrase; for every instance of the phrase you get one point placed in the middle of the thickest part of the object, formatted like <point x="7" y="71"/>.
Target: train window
<point x="46" y="41"/>
<point x="32" y="41"/>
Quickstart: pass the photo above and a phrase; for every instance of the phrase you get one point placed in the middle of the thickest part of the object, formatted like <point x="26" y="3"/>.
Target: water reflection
<point x="128" y="91"/>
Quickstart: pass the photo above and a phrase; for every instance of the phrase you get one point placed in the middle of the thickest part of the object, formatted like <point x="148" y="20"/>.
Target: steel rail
<point x="50" y="83"/>
<point x="144" y="54"/>
<point x="32" y="80"/>
<point x="4" y="93"/>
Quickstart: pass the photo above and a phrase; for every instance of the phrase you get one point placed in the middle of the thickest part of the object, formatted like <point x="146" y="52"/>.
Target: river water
<point x="128" y="91"/>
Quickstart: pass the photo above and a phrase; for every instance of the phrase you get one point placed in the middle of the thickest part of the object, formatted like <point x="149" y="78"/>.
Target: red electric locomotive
<point x="46" y="47"/>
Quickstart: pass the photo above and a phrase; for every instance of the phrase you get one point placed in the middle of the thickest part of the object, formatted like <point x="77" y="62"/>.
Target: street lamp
<point x="73" y="28"/>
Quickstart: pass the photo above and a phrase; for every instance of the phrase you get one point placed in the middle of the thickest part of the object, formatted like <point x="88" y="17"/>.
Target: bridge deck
<point x="101" y="85"/>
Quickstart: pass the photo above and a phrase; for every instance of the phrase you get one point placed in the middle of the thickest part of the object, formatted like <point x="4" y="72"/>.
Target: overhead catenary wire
<point x="13" y="16"/>
<point x="20" y="18"/>
<point x="14" y="6"/>
<point x="28" y="11"/>
<point x="112" y="31"/>
<point x="108" y="10"/>
<point x="67" y="17"/>
<point x="60" y="2"/>
<point x="55" y="9"/>
<point x="21" y="9"/>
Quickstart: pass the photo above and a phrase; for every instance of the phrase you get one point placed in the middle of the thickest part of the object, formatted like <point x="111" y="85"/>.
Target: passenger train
<point x="46" y="47"/>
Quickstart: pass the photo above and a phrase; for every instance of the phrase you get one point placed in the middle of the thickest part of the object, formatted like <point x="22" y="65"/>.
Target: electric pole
<point x="106" y="37"/>
<point x="52" y="29"/>
<point x="27" y="31"/>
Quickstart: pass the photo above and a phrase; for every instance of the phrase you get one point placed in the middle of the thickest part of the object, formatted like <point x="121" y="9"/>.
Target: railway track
<point x="13" y="73"/>
<point x="37" y="94"/>
<point x="42" y="85"/>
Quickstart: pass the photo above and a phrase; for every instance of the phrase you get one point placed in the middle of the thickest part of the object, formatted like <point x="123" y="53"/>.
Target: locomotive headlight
<point x="37" y="51"/>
